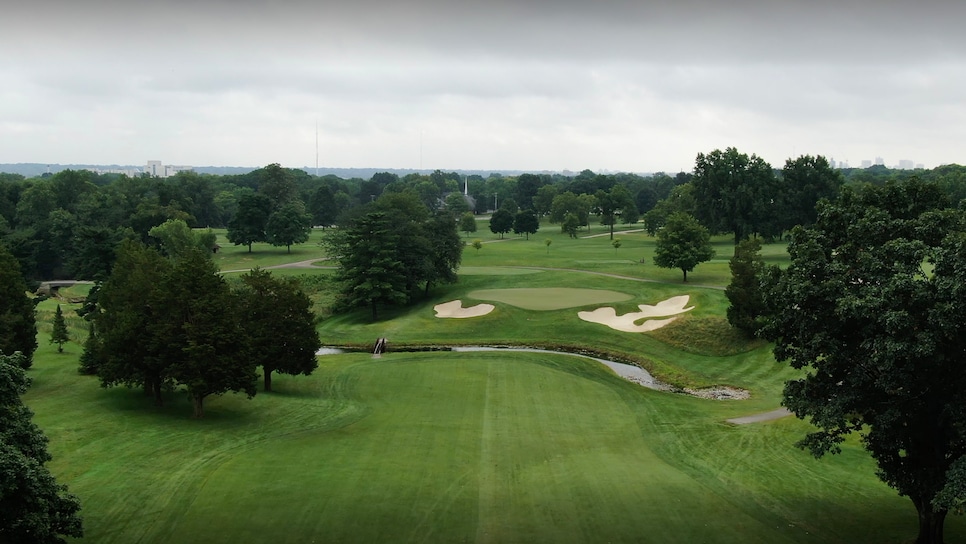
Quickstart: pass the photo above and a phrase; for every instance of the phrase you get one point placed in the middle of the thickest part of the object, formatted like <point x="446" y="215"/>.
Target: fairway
<point x="443" y="447"/>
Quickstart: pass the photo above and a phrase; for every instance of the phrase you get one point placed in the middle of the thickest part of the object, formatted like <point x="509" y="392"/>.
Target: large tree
<point x="683" y="243"/>
<point x="526" y="222"/>
<point x="872" y="309"/>
<point x="613" y="204"/>
<point x="129" y="305"/>
<point x="370" y="270"/>
<point x="804" y="182"/>
<point x="501" y="222"/>
<point x="288" y="225"/>
<point x="34" y="508"/>
<point x="744" y="292"/>
<point x="166" y="322"/>
<point x="199" y="336"/>
<point x="250" y="221"/>
<point x="278" y="322"/>
<point x="18" y="326"/>
<point x="734" y="193"/>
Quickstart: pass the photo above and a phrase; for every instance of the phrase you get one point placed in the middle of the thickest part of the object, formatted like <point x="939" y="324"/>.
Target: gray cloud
<point x="546" y="84"/>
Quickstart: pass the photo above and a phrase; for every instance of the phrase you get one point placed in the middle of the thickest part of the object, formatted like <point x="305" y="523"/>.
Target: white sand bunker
<point x="626" y="323"/>
<point x="455" y="309"/>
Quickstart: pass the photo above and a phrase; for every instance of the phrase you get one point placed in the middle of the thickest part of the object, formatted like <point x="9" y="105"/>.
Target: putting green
<point x="549" y="298"/>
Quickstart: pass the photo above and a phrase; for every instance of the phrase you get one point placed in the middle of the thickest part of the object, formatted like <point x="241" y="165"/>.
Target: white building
<point x="157" y="170"/>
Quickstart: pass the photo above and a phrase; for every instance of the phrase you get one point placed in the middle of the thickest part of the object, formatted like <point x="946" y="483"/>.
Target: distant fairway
<point x="549" y="298"/>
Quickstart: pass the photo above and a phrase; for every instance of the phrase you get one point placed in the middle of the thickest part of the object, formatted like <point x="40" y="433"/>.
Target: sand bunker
<point x="626" y="323"/>
<point x="455" y="309"/>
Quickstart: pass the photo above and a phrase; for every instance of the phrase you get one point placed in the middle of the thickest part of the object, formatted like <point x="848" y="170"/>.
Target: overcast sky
<point x="615" y="85"/>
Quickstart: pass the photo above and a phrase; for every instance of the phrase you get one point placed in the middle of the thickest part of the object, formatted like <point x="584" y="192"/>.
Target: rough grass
<point x="706" y="336"/>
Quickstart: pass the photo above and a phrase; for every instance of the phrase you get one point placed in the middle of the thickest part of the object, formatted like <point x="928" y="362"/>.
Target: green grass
<point x="440" y="447"/>
<point x="549" y="298"/>
<point x="472" y="447"/>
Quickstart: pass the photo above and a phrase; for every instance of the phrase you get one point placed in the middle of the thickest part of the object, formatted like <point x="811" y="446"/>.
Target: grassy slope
<point x="471" y="447"/>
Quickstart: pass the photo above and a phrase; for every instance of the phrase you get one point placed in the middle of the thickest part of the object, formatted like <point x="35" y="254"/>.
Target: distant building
<point x="905" y="164"/>
<point x="879" y="161"/>
<point x="155" y="169"/>
<point x="866" y="163"/>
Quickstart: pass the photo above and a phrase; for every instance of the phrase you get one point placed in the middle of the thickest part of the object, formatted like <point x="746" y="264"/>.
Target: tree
<point x="279" y="325"/>
<point x="250" y="221"/>
<point x="468" y="223"/>
<point x="477" y="244"/>
<point x="872" y="309"/>
<point x="199" y="336"/>
<point x="176" y="238"/>
<point x="446" y="249"/>
<point x="129" y="306"/>
<point x="547" y="242"/>
<point x="744" y="292"/>
<point x="805" y="181"/>
<point x="681" y="199"/>
<point x="288" y="225"/>
<point x="370" y="271"/>
<point x="455" y="203"/>
<point x="59" y="334"/>
<point x="18" y="326"/>
<point x="543" y="200"/>
<point x="570" y="225"/>
<point x="682" y="243"/>
<point x="278" y="184"/>
<point x="501" y="222"/>
<point x="526" y="222"/>
<point x="734" y="193"/>
<point x="528" y="185"/>
<point x="614" y="203"/>
<point x="34" y="508"/>
<point x="162" y="322"/>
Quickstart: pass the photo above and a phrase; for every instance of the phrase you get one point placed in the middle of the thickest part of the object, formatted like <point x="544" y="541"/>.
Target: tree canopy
<point x="392" y="251"/>
<point x="683" y="243"/>
<point x="873" y="309"/>
<point x="18" y="326"/>
<point x="501" y="222"/>
<point x="34" y="508"/>
<point x="734" y="193"/>
<point x="169" y="321"/>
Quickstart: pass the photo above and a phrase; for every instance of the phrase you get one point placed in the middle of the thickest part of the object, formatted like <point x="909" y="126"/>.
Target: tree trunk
<point x="249" y="247"/>
<point x="268" y="378"/>
<point x="158" y="401"/>
<point x="197" y="401"/>
<point x="611" y="231"/>
<point x="930" y="524"/>
<point x="288" y="248"/>
<point x="375" y="316"/>
<point x="685" y="275"/>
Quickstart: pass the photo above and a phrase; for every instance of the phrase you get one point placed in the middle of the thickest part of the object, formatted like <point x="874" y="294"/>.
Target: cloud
<point x="537" y="84"/>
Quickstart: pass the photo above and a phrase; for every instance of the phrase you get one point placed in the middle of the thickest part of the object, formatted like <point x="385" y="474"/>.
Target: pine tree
<point x="18" y="327"/>
<point x="59" y="335"/>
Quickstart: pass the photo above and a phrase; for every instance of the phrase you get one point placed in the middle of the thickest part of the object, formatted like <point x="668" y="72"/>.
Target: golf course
<point x="429" y="445"/>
